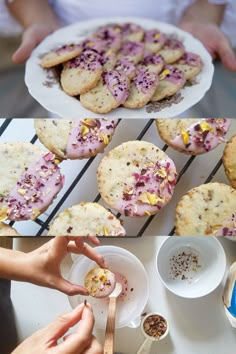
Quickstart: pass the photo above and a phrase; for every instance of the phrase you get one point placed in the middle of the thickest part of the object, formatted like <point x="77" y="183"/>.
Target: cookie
<point x="111" y="38"/>
<point x="205" y="209"/>
<point x="108" y="60"/>
<point x="130" y="31"/>
<point x="86" y="219"/>
<point x="193" y="136"/>
<point x="190" y="64"/>
<point x="111" y="91"/>
<point x="229" y="161"/>
<point x="61" y="55"/>
<point x="127" y="67"/>
<point x="142" y="88"/>
<point x="154" y="62"/>
<point x="172" y="50"/>
<point x="7" y="230"/>
<point x="171" y="80"/>
<point x="82" y="73"/>
<point x="132" y="51"/>
<point x="154" y="40"/>
<point x="75" y="139"/>
<point x="30" y="180"/>
<point x="228" y="227"/>
<point x="100" y="282"/>
<point x="136" y="178"/>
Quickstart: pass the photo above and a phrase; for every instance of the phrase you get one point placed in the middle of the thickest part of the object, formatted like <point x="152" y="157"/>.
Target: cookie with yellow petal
<point x="86" y="219"/>
<point x="229" y="160"/>
<point x="75" y="139"/>
<point x="190" y="64"/>
<point x="154" y="40"/>
<point x="172" y="50"/>
<point x="100" y="282"/>
<point x="136" y="178"/>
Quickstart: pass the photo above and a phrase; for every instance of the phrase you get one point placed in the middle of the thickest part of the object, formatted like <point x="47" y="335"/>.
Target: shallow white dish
<point x="46" y="89"/>
<point x="196" y="283"/>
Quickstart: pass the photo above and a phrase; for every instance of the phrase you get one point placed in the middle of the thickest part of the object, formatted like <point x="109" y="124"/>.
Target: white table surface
<point x="196" y="326"/>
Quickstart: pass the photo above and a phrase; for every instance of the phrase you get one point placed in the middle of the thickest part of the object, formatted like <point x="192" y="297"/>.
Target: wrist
<point x="13" y="265"/>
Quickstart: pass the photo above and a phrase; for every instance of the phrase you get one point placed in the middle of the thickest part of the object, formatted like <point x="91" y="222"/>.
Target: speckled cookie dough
<point x="190" y="64"/>
<point x="136" y="178"/>
<point x="229" y="160"/>
<point x="171" y="80"/>
<point x="172" y="50"/>
<point x="61" y="55"/>
<point x="205" y="210"/>
<point x="193" y="136"/>
<point x="111" y="92"/>
<point x="30" y="180"/>
<point x="7" y="230"/>
<point x="86" y="219"/>
<point x="132" y="51"/>
<point x="100" y="282"/>
<point x="154" y="40"/>
<point x="75" y="139"/>
<point x="82" y="73"/>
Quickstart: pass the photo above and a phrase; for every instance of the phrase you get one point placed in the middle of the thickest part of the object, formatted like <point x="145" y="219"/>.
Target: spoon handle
<point x="110" y="327"/>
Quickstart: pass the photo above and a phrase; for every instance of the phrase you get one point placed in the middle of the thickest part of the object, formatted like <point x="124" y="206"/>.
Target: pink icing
<point x="175" y="76"/>
<point x="148" y="180"/>
<point x="203" y="141"/>
<point x="131" y="48"/>
<point x="120" y="278"/>
<point x="150" y="36"/>
<point x="79" y="146"/>
<point x="173" y="43"/>
<point x="144" y="79"/>
<point x="96" y="44"/>
<point x="67" y="48"/>
<point x="129" y="28"/>
<point x="152" y="59"/>
<point x="126" y="66"/>
<point x="111" y="38"/>
<point x="87" y="60"/>
<point x="118" y="84"/>
<point x="191" y="59"/>
<point x="40" y="182"/>
<point x="228" y="228"/>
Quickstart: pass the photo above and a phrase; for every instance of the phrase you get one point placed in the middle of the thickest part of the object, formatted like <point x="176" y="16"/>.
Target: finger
<point x="94" y="348"/>
<point x="94" y="240"/>
<point x="68" y="288"/>
<point x="226" y="53"/>
<point x="89" y="252"/>
<point x="82" y="338"/>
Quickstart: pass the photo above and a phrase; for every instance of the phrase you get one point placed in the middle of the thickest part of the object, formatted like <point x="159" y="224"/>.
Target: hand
<point x="214" y="40"/>
<point x="82" y="341"/>
<point x="32" y="36"/>
<point x="42" y="266"/>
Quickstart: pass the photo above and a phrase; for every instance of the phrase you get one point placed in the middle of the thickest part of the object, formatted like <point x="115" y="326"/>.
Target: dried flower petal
<point x="106" y="231"/>
<point x="3" y="214"/>
<point x="185" y="136"/>
<point x="84" y="130"/>
<point x="89" y="122"/>
<point x="164" y="74"/>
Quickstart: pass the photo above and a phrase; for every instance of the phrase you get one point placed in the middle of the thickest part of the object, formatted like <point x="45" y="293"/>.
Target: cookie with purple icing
<point x="154" y="40"/>
<point x="193" y="136"/>
<point x="130" y="31"/>
<point x="229" y="160"/>
<point x="111" y="38"/>
<point x="136" y="178"/>
<point x="75" y="139"/>
<point x="111" y="92"/>
<point x="172" y="50"/>
<point x="153" y="61"/>
<point x="206" y="210"/>
<point x="60" y="55"/>
<point x="131" y="50"/>
<point x="171" y="80"/>
<point x="30" y="180"/>
<point x="82" y="73"/>
<point x="127" y="67"/>
<point x="142" y="88"/>
<point x="190" y="64"/>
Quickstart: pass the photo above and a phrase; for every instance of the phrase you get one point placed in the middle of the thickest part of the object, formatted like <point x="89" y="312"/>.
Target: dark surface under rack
<point x="44" y="225"/>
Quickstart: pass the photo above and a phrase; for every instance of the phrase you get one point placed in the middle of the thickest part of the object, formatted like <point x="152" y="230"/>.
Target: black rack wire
<point x="44" y="225"/>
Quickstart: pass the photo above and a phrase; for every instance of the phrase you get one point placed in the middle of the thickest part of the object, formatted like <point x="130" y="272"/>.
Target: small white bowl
<point x="199" y="279"/>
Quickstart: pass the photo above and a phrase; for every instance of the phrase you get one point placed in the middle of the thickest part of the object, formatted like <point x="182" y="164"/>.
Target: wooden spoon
<point x="110" y="327"/>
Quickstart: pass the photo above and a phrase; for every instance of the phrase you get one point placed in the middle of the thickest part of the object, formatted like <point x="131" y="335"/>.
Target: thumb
<point x="68" y="288"/>
<point x="226" y="54"/>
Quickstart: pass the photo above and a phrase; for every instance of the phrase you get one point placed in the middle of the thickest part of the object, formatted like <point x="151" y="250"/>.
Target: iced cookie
<point x="30" y="180"/>
<point x="7" y="230"/>
<point x="127" y="67"/>
<point x="229" y="161"/>
<point x="108" y="60"/>
<point x="205" y="209"/>
<point x="75" y="139"/>
<point x="100" y="282"/>
<point x="190" y="64"/>
<point x="61" y="55"/>
<point x="111" y="91"/>
<point x="154" y="62"/>
<point x="171" y="80"/>
<point x="193" y="136"/>
<point x="136" y="178"/>
<point x="86" y="219"/>
<point x="132" y="51"/>
<point x="82" y="73"/>
<point x="142" y="88"/>
<point x="228" y="227"/>
<point x="130" y="31"/>
<point x="172" y="50"/>
<point x="154" y="40"/>
<point x="111" y="38"/>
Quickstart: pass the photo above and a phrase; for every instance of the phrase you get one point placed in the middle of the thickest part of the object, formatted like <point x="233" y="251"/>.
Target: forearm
<point x="204" y="12"/>
<point x="29" y="12"/>
<point x="13" y="265"/>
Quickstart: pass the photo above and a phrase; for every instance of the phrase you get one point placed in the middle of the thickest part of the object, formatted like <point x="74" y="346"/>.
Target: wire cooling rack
<point x="81" y="176"/>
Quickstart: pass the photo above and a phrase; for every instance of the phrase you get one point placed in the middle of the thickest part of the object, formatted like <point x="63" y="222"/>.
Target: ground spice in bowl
<point x="155" y="326"/>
